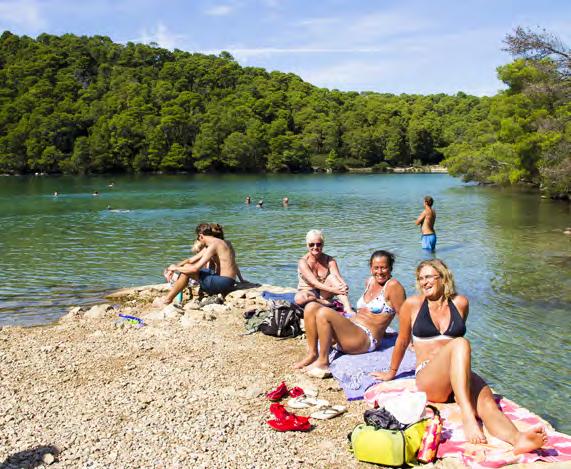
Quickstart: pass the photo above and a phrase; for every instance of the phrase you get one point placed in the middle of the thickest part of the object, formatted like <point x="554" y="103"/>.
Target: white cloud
<point x="162" y="36"/>
<point x="22" y="13"/>
<point x="220" y="10"/>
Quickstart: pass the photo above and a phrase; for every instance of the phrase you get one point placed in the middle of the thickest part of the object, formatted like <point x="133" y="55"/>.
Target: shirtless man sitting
<point x="426" y="221"/>
<point x="215" y="250"/>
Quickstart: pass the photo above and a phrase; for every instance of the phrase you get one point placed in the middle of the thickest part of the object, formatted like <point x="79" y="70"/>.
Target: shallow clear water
<point x="507" y="250"/>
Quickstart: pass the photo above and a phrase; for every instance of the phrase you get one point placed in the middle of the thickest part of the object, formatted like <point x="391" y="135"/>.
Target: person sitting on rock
<point x="319" y="276"/>
<point x="216" y="250"/>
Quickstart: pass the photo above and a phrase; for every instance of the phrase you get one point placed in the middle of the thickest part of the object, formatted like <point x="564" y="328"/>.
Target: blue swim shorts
<point x="213" y="283"/>
<point x="428" y="241"/>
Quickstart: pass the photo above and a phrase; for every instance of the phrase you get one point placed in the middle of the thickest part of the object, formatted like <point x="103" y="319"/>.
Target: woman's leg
<point x="450" y="371"/>
<point x="332" y="326"/>
<point x="333" y="281"/>
<point x="304" y="297"/>
<point x="310" y="334"/>
<point x="499" y="425"/>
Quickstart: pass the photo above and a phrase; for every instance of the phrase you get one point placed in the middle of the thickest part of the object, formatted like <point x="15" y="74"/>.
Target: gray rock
<point x="99" y="311"/>
<point x="212" y="300"/>
<point x="173" y="311"/>
<point x="48" y="458"/>
<point x="215" y="308"/>
<point x="74" y="314"/>
<point x="187" y="321"/>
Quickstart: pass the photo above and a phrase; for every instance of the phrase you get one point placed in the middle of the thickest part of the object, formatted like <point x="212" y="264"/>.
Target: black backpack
<point x="283" y="319"/>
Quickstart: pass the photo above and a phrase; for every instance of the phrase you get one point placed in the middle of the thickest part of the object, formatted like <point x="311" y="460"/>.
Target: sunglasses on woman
<point x="317" y="245"/>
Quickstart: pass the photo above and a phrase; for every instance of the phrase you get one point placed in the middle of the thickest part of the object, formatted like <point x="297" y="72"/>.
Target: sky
<point x="406" y="46"/>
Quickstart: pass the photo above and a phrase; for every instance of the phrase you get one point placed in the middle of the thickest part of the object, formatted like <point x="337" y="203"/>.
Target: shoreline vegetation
<point x="314" y="169"/>
<point x="185" y="390"/>
<point x="86" y="105"/>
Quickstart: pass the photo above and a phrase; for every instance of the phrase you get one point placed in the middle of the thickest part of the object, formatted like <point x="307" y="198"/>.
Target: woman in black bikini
<point x="444" y="358"/>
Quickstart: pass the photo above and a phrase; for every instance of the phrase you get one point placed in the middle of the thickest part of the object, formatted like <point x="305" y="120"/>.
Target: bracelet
<point x="393" y="369"/>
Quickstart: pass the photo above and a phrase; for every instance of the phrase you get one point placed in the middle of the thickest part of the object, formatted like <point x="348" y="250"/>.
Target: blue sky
<point x="416" y="46"/>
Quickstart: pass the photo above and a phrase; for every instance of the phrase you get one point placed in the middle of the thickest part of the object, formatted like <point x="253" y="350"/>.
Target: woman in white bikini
<point x="360" y="333"/>
<point x="436" y="321"/>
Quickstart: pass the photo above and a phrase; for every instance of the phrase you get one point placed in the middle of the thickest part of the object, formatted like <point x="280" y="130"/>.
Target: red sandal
<point x="278" y="393"/>
<point x="292" y="423"/>
<point x="296" y="392"/>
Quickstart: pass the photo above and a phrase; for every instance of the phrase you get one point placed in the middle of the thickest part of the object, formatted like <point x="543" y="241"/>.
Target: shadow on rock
<point x="30" y="458"/>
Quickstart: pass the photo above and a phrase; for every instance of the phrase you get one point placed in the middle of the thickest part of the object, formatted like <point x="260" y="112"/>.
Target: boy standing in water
<point x="426" y="221"/>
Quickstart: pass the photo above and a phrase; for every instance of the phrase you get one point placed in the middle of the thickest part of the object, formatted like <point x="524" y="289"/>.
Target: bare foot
<point x="307" y="360"/>
<point x="472" y="430"/>
<point x="532" y="439"/>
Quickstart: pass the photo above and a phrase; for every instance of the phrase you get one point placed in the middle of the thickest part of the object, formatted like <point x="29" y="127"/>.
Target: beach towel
<point x="494" y="454"/>
<point x="352" y="371"/>
<point x="269" y="296"/>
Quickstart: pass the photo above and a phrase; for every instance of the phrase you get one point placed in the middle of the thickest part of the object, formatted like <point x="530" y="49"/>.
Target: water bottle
<point x="174" y="278"/>
<point x="430" y="439"/>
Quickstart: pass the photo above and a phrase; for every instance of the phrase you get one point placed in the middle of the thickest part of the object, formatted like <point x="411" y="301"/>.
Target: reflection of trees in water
<point x="521" y="339"/>
<point x="532" y="260"/>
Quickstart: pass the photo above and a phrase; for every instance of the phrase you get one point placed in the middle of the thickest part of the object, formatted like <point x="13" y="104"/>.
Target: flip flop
<point x="303" y="402"/>
<point x="316" y="372"/>
<point x="328" y="412"/>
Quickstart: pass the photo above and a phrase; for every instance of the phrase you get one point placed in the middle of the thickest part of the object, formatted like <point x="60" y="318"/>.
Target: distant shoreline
<point x="433" y="169"/>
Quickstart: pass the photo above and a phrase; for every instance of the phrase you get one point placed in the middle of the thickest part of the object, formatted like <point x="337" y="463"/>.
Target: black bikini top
<point x="424" y="328"/>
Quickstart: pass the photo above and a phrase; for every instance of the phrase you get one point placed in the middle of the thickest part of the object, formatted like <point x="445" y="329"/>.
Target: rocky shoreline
<point x="185" y="390"/>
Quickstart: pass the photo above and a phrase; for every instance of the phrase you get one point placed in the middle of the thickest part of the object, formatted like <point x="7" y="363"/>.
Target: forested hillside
<point x="78" y="105"/>
<point x="84" y="104"/>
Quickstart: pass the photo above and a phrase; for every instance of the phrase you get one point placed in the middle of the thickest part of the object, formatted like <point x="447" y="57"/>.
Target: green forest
<point x="84" y="105"/>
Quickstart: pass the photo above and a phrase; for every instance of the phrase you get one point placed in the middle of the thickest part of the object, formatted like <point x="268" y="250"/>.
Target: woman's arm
<point x="403" y="340"/>
<point x="204" y="257"/>
<point x="395" y="295"/>
<point x="334" y="269"/>
<point x="311" y="279"/>
<point x="462" y="305"/>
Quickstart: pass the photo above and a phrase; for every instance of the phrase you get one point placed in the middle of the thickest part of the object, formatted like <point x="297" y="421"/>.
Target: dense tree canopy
<point x="525" y="133"/>
<point x="81" y="105"/>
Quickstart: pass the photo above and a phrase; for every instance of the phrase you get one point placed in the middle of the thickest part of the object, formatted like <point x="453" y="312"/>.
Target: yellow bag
<point x="388" y="447"/>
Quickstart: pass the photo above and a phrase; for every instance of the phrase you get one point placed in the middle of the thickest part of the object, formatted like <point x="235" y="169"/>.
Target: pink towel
<point x="495" y="453"/>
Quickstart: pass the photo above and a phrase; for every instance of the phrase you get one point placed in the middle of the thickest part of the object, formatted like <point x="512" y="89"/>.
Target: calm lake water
<point x="507" y="250"/>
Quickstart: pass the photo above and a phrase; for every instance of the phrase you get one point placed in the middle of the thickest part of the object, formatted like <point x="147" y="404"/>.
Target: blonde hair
<point x="197" y="247"/>
<point x="443" y="271"/>
<point x="314" y="234"/>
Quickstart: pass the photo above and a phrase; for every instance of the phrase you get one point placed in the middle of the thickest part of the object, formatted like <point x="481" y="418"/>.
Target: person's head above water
<point x="428" y="200"/>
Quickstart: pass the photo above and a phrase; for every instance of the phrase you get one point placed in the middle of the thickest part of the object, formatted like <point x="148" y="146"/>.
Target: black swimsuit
<point x="424" y="328"/>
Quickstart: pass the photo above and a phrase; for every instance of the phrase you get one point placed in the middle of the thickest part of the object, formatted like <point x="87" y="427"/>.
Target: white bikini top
<point x="377" y="305"/>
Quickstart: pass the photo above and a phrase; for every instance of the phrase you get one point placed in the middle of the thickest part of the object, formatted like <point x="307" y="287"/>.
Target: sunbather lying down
<point x="319" y="276"/>
<point x="361" y="333"/>
<point x="218" y="254"/>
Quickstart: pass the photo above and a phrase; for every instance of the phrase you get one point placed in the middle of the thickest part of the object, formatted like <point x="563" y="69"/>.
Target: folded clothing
<point x="352" y="371"/>
<point x="269" y="296"/>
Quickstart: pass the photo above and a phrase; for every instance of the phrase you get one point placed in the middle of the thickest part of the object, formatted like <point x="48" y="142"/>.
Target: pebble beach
<point x="185" y="390"/>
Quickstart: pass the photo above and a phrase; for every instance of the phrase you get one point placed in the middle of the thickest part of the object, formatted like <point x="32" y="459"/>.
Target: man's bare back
<point x="224" y="252"/>
<point x="427" y="218"/>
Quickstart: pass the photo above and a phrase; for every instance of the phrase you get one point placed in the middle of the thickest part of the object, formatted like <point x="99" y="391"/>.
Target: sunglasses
<point x="317" y="245"/>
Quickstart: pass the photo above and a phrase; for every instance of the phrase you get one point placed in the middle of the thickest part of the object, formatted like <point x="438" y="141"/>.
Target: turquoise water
<point x="507" y="250"/>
